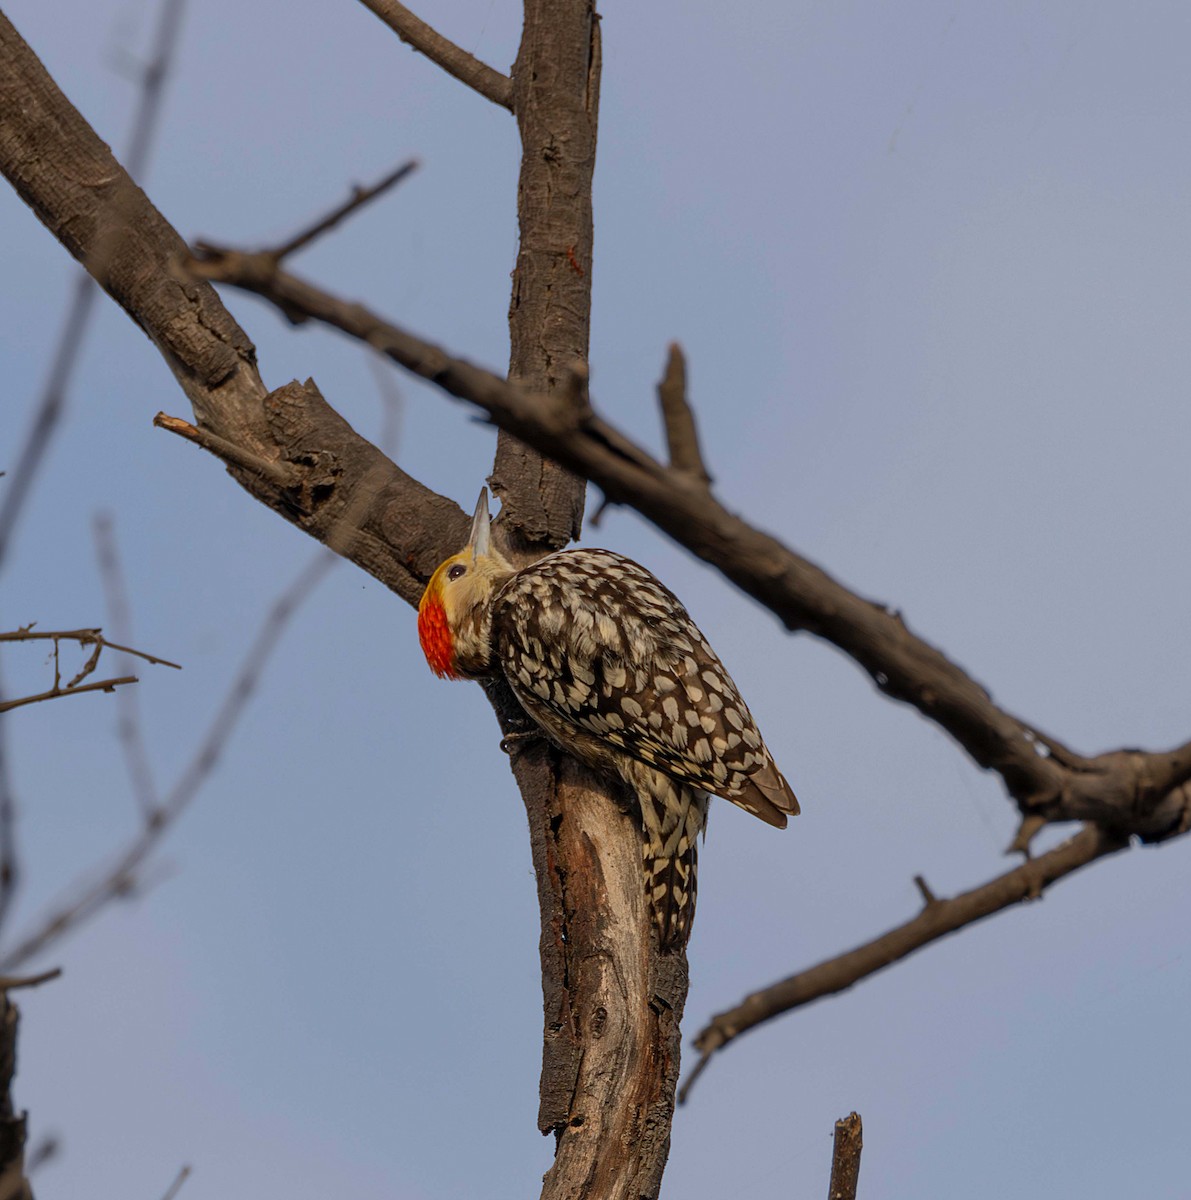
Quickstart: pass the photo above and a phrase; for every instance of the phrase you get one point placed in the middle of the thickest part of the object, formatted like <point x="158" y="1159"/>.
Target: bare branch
<point x="100" y="685"/>
<point x="279" y="474"/>
<point x="401" y="531"/>
<point x="10" y="982"/>
<point x="1046" y="779"/>
<point x="359" y="197"/>
<point x="845" y="1158"/>
<point x="849" y="1143"/>
<point x="468" y="69"/>
<point x="175" y="1187"/>
<point x="132" y="741"/>
<point x="75" y="686"/>
<point x="10" y="868"/>
<point x="682" y="438"/>
<point x="52" y="157"/>
<point x="392" y="405"/>
<point x="935" y="921"/>
<point x="264" y="263"/>
<point x="43" y="1152"/>
<point x="70" y="343"/>
<point x="84" y="637"/>
<point x="119" y="878"/>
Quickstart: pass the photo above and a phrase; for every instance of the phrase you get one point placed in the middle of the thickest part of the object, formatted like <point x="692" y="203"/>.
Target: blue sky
<point x="930" y="263"/>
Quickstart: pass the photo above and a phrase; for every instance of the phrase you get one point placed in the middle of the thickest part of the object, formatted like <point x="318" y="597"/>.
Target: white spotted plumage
<point x="608" y="663"/>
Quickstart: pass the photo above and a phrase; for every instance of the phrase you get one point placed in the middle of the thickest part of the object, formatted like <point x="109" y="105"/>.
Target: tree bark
<point x="612" y="1005"/>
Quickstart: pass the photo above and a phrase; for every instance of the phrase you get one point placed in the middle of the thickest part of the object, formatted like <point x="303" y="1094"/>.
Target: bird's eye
<point x="457" y="570"/>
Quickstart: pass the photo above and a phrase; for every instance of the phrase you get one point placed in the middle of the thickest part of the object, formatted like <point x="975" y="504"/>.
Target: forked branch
<point x="121" y="876"/>
<point x="264" y="262"/>
<point x="75" y="685"/>
<point x="936" y="920"/>
<point x="1125" y="789"/>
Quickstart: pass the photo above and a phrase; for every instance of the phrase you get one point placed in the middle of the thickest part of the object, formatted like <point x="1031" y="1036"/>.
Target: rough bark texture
<point x="845" y="1159"/>
<point x="555" y="99"/>
<point x="612" y="1005"/>
<point x="399" y="530"/>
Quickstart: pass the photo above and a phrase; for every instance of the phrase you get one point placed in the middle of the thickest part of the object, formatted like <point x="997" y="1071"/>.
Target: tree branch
<point x="468" y="69"/>
<point x="132" y="742"/>
<point x="399" y="531"/>
<point x="119" y="877"/>
<point x="75" y="686"/>
<point x="182" y="1176"/>
<point x="100" y="685"/>
<point x="84" y="637"/>
<point x="10" y="863"/>
<point x="612" y="1004"/>
<point x="1130" y="789"/>
<point x="67" y="175"/>
<point x="937" y="919"/>
<point x="70" y="344"/>
<point x="264" y="262"/>
<point x="280" y="474"/>
<point x="845" y="1158"/>
<point x="682" y="439"/>
<point x="9" y="983"/>
<point x="359" y="197"/>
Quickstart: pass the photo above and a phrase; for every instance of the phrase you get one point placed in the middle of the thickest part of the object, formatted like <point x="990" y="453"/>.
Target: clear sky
<point x="930" y="263"/>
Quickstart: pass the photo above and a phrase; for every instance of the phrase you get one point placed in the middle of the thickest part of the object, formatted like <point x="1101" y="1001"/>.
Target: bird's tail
<point x="672" y="816"/>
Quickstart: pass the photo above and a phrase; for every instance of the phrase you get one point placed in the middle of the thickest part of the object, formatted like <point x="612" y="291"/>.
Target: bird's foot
<point x="516" y="743"/>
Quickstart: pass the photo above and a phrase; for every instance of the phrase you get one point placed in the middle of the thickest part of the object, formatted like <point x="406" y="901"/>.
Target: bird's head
<point x="454" y="617"/>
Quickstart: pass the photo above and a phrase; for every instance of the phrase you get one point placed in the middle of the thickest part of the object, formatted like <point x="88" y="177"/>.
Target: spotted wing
<point x="600" y="648"/>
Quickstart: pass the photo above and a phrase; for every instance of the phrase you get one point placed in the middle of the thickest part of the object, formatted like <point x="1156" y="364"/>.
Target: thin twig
<point x="75" y="686"/>
<point x="84" y="637"/>
<point x="70" y="343"/>
<point x="100" y="685"/>
<point x="279" y="474"/>
<point x="845" y="1158"/>
<point x="88" y="668"/>
<point x="9" y="983"/>
<point x="10" y="868"/>
<point x="132" y="741"/>
<point x="43" y="1152"/>
<point x="153" y="77"/>
<point x="392" y="405"/>
<point x="934" y="921"/>
<point x="682" y="438"/>
<point x="468" y="69"/>
<point x="261" y="266"/>
<point x="49" y="409"/>
<point x="359" y="197"/>
<point x="120" y="877"/>
<point x="175" y="1187"/>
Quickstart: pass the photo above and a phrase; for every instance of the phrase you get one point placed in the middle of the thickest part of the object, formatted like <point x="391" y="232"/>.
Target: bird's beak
<point x="480" y="542"/>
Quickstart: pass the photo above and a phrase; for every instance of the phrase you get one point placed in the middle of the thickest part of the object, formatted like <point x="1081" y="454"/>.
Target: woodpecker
<point x="609" y="665"/>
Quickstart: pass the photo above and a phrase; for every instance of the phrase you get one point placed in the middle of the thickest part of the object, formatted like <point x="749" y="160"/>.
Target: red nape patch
<point x="435" y="635"/>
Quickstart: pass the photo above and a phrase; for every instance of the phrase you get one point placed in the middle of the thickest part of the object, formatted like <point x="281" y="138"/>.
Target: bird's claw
<point x="514" y="743"/>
